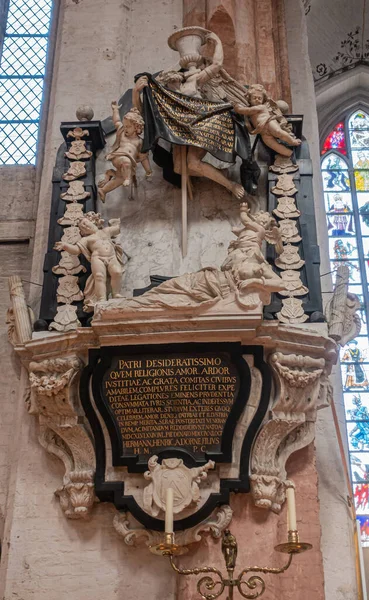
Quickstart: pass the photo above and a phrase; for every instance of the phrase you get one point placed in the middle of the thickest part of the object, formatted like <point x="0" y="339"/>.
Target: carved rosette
<point x="301" y="388"/>
<point x="54" y="399"/>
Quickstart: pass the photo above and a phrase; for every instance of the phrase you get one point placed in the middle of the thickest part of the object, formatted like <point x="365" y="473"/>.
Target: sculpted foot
<point x="238" y="191"/>
<point x="296" y="142"/>
<point x="126" y="183"/>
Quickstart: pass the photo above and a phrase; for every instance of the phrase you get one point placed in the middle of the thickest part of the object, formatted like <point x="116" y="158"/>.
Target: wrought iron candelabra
<point x="211" y="587"/>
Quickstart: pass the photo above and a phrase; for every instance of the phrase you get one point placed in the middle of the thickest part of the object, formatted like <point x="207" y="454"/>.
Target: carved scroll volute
<point x="298" y="383"/>
<point x="54" y="398"/>
<point x="291" y="425"/>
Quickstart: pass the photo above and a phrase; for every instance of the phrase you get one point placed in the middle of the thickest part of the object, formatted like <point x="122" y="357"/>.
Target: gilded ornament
<point x="194" y="105"/>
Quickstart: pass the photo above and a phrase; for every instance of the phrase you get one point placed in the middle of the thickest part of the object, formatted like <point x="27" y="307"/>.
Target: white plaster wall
<point x="14" y="258"/>
<point x="337" y="537"/>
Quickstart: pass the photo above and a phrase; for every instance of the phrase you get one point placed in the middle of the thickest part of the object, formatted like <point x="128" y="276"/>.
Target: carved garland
<point x="289" y="261"/>
<point x="69" y="267"/>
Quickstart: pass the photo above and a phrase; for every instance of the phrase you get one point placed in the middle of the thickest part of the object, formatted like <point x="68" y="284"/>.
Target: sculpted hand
<point x="115" y="104"/>
<point x="244" y="207"/>
<point x="141" y="83"/>
<point x="238" y="107"/>
<point x="59" y="246"/>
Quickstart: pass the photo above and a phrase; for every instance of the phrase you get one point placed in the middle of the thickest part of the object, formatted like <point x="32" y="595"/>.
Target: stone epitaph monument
<point x="190" y="383"/>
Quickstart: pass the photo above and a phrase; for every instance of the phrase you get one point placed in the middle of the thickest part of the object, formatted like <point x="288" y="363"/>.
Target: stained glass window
<point x="345" y="172"/>
<point x="336" y="140"/>
<point x="22" y="74"/>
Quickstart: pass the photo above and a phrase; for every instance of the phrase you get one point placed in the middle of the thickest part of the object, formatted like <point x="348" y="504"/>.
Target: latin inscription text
<point x="162" y="402"/>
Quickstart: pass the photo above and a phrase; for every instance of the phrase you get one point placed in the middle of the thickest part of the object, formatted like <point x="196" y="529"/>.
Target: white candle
<point x="169" y="511"/>
<point x="291" y="509"/>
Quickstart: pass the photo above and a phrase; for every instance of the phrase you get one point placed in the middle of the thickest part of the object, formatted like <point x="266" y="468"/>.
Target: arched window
<point x="22" y="74"/>
<point x="345" y="171"/>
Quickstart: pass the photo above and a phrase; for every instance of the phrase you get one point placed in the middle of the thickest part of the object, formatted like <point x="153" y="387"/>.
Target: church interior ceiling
<point x="338" y="33"/>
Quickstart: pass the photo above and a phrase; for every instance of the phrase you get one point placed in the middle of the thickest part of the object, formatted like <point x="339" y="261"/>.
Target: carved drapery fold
<point x="54" y="399"/>
<point x="301" y="387"/>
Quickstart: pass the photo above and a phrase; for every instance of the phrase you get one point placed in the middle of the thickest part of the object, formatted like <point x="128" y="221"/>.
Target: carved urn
<point x="188" y="41"/>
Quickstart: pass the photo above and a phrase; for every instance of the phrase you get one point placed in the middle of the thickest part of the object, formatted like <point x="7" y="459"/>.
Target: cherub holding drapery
<point x="267" y="120"/>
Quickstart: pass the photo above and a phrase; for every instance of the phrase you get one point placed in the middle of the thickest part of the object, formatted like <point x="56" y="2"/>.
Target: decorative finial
<point x="84" y="113"/>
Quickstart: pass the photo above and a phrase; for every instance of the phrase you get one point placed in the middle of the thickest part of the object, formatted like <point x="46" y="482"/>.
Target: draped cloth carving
<point x="199" y="122"/>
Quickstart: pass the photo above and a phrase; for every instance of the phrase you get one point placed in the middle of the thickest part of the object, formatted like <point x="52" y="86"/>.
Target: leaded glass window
<point x="345" y="172"/>
<point x="22" y="74"/>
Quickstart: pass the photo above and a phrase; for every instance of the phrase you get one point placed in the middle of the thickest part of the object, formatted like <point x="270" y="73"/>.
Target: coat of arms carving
<point x="173" y="473"/>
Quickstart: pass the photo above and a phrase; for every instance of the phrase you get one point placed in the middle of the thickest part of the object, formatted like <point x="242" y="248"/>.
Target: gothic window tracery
<point x="345" y="173"/>
<point x="22" y="76"/>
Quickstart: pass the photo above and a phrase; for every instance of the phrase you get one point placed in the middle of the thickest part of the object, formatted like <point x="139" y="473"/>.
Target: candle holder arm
<point x="207" y="582"/>
<point x="254" y="581"/>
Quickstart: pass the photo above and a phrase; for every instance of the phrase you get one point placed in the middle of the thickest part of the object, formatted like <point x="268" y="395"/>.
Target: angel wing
<point x="273" y="236"/>
<point x="276" y="111"/>
<point x="224" y="87"/>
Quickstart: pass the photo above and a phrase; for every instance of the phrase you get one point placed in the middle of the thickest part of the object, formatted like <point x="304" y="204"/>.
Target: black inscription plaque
<point x="179" y="400"/>
<point x="172" y="400"/>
